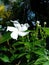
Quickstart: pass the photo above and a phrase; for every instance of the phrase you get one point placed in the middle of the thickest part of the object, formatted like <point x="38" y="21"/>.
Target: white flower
<point x="21" y="27"/>
<point x="38" y="22"/>
<point x="44" y="23"/>
<point x="18" y="30"/>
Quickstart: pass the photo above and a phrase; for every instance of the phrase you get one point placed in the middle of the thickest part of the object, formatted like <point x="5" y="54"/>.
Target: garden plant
<point x="20" y="45"/>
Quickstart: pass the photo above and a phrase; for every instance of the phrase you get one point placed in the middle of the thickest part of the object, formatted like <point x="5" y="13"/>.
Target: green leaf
<point x="37" y="43"/>
<point x="28" y="56"/>
<point x="40" y="61"/>
<point x="5" y="37"/>
<point x="40" y="52"/>
<point x="18" y="43"/>
<point x="46" y="30"/>
<point x="20" y="55"/>
<point x="4" y="58"/>
<point x="26" y="44"/>
<point x="46" y="63"/>
<point x="16" y="56"/>
<point x="3" y="48"/>
<point x="13" y="57"/>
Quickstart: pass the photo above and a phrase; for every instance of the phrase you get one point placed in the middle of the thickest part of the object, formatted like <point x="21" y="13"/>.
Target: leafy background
<point x="32" y="49"/>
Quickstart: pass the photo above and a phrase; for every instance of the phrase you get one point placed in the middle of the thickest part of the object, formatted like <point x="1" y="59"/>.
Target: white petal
<point x="14" y="35"/>
<point x="16" y="22"/>
<point x="23" y="33"/>
<point x="22" y="25"/>
<point x="26" y="24"/>
<point x="17" y="25"/>
<point x="24" y="28"/>
<point x="9" y="28"/>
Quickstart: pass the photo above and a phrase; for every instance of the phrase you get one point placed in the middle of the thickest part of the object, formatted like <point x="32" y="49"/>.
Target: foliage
<point x="31" y="48"/>
<point x="27" y="50"/>
<point x="2" y="9"/>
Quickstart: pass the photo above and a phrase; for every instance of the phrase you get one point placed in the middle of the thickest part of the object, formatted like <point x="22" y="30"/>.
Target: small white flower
<point x="21" y="27"/>
<point x="18" y="30"/>
<point x="38" y="22"/>
<point x="44" y="23"/>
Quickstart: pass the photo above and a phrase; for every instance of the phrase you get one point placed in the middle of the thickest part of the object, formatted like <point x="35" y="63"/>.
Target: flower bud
<point x="44" y="23"/>
<point x="38" y="22"/>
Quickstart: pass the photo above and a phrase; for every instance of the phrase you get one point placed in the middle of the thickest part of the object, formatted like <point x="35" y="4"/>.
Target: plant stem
<point x="18" y="63"/>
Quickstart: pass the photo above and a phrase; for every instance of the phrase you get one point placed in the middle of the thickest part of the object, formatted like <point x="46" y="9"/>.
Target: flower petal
<point x="17" y="26"/>
<point x="9" y="28"/>
<point x="26" y="24"/>
<point x="16" y="22"/>
<point x="14" y="35"/>
<point x="23" y="33"/>
<point x="24" y="27"/>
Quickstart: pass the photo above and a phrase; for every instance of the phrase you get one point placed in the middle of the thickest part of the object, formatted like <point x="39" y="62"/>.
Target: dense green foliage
<point x="27" y="50"/>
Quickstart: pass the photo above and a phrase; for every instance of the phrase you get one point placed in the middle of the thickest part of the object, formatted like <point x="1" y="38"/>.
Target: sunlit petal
<point x="9" y="28"/>
<point x="24" y="28"/>
<point x="26" y="24"/>
<point x="14" y="35"/>
<point x="16" y="22"/>
<point x="23" y="33"/>
<point x="22" y="25"/>
<point x="17" y="26"/>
